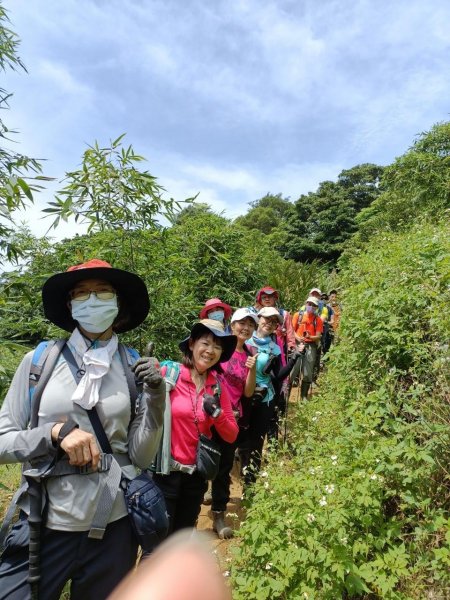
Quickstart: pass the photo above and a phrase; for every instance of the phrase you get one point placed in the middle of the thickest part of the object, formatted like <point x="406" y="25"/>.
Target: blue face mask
<point x="310" y="309"/>
<point x="217" y="315"/>
<point x="94" y="315"/>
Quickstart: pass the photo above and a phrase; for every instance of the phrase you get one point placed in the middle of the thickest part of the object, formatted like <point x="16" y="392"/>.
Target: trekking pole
<point x="286" y="412"/>
<point x="34" y="523"/>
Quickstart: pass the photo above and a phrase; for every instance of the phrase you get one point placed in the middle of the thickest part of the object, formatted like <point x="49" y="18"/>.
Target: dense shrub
<point x="202" y="256"/>
<point x="358" y="504"/>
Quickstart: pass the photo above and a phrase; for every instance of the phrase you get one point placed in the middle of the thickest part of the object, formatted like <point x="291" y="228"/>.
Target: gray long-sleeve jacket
<point x="72" y="499"/>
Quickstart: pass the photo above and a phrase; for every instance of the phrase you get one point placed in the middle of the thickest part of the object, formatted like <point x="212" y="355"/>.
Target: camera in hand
<point x="269" y="365"/>
<point x="211" y="404"/>
<point x="260" y="393"/>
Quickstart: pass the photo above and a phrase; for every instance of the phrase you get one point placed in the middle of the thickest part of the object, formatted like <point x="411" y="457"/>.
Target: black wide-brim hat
<point x="130" y="288"/>
<point x="228" y="340"/>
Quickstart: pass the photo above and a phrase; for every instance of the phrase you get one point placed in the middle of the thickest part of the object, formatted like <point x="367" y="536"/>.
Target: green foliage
<point x="358" y="504"/>
<point x="266" y="214"/>
<point x="190" y="211"/>
<point x="202" y="256"/>
<point x="15" y="190"/>
<point x="110" y="192"/>
<point x="324" y="220"/>
<point x="416" y="185"/>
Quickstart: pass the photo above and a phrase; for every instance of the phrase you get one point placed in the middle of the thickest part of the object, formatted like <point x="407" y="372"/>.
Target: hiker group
<point x="84" y="414"/>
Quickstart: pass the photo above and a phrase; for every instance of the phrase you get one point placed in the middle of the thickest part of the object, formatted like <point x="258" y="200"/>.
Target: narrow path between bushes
<point x="235" y="513"/>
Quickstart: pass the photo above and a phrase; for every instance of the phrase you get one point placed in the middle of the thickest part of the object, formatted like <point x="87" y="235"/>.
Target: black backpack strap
<point x="110" y="485"/>
<point x="92" y="414"/>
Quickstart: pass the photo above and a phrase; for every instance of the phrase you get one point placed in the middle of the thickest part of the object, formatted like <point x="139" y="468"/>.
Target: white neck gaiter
<point x="96" y="362"/>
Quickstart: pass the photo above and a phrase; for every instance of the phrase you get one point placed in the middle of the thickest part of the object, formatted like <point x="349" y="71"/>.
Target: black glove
<point x="211" y="405"/>
<point x="146" y="369"/>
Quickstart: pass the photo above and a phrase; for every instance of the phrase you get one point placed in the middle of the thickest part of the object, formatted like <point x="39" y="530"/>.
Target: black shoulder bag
<point x="208" y="451"/>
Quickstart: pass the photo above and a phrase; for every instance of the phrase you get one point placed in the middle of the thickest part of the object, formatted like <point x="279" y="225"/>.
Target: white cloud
<point x="231" y="99"/>
<point x="59" y="75"/>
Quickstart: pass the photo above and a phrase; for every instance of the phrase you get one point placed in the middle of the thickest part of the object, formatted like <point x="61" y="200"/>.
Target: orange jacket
<point x="309" y="322"/>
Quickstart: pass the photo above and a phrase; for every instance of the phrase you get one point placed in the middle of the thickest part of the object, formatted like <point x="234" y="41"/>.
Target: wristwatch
<point x="68" y="426"/>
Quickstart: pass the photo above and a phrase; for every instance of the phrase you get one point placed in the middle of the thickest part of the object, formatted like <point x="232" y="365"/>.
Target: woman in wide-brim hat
<point x="92" y="301"/>
<point x="197" y="403"/>
<point x="217" y="310"/>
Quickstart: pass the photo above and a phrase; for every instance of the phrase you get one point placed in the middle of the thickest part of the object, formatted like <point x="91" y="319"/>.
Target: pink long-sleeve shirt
<point x="186" y="406"/>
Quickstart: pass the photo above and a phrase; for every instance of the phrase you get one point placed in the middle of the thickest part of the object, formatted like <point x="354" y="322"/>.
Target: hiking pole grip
<point x="34" y="523"/>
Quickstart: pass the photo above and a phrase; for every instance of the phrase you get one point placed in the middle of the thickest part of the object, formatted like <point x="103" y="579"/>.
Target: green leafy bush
<point x="357" y="504"/>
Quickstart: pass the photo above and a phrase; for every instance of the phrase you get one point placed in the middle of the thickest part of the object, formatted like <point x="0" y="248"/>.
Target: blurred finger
<point x="198" y="577"/>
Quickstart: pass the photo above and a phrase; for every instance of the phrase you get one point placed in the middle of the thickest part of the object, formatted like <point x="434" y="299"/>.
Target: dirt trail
<point x="235" y="512"/>
<point x="222" y="547"/>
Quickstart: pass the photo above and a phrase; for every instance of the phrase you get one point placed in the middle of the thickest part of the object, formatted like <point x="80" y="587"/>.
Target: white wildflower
<point x="334" y="457"/>
<point x="374" y="477"/>
<point x="226" y="573"/>
<point x="323" y="501"/>
<point x="329" y="488"/>
<point x="318" y="413"/>
<point x="269" y="565"/>
<point x="264" y="474"/>
<point x="314" y="419"/>
<point x="266" y="485"/>
<point x="344" y="540"/>
<point x="232" y="515"/>
<point x="310" y="518"/>
<point x="281" y="464"/>
<point x="312" y="470"/>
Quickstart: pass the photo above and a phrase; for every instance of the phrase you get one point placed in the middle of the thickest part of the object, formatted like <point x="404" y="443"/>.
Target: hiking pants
<point x="309" y="362"/>
<point x="183" y="494"/>
<point x="259" y="426"/>
<point x="94" y="567"/>
<point x="220" y="489"/>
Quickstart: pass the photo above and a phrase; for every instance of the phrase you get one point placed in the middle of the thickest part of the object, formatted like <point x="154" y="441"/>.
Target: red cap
<point x="266" y="290"/>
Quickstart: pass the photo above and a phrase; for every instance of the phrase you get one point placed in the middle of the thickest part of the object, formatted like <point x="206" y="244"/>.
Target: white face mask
<point x="217" y="315"/>
<point x="94" y="315"/>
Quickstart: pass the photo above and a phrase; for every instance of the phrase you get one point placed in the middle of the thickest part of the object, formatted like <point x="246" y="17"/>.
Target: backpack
<point x="45" y="357"/>
<point x="300" y="318"/>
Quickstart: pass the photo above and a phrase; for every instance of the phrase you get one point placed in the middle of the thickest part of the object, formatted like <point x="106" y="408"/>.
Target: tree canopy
<point x="324" y="220"/>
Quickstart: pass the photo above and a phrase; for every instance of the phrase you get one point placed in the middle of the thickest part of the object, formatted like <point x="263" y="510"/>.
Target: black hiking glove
<point x="211" y="405"/>
<point x="147" y="370"/>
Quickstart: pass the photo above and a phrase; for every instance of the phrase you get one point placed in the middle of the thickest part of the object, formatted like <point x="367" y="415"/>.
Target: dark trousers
<point x="251" y="452"/>
<point x="220" y="489"/>
<point x="94" y="567"/>
<point x="183" y="494"/>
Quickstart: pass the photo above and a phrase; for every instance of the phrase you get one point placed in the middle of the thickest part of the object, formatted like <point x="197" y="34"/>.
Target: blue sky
<point x="232" y="99"/>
